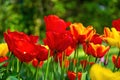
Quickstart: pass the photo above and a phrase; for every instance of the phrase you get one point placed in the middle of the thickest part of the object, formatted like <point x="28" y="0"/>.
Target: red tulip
<point x="55" y="24"/>
<point x="36" y="63"/>
<point x="116" y="61"/>
<point x="42" y="53"/>
<point x="84" y="63"/>
<point x="24" y="50"/>
<point x="116" y="24"/>
<point x="72" y="75"/>
<point x="34" y="39"/>
<point x="96" y="39"/>
<point x="66" y="53"/>
<point x="22" y="45"/>
<point x="58" y="42"/>
<point x="11" y="36"/>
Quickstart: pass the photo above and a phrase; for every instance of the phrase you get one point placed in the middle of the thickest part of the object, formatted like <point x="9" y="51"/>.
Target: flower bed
<point x="70" y="51"/>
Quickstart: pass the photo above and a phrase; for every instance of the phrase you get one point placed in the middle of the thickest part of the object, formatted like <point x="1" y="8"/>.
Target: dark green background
<point x="27" y="15"/>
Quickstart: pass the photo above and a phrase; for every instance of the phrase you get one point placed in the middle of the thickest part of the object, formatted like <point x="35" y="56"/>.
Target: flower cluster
<point x="69" y="52"/>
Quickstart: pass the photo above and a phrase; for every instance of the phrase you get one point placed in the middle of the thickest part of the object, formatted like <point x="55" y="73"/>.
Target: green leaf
<point x="1" y="64"/>
<point x="84" y="75"/>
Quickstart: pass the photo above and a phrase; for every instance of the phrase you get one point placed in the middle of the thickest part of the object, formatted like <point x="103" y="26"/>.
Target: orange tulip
<point x="81" y="33"/>
<point x="95" y="50"/>
<point x="107" y="32"/>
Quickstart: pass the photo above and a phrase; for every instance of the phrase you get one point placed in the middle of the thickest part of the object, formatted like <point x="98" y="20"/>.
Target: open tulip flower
<point x="22" y="46"/>
<point x="96" y="50"/>
<point x="98" y="72"/>
<point x="112" y="37"/>
<point x="81" y="33"/>
<point x="10" y="38"/>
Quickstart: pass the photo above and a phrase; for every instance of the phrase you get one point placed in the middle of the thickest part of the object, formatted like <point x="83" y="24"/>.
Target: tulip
<point x="36" y="63"/>
<point x="116" y="24"/>
<point x="80" y="33"/>
<point x="42" y="53"/>
<point x="58" y="42"/>
<point x="112" y="37"/>
<point x="55" y="24"/>
<point x="3" y="49"/>
<point x="21" y="45"/>
<point x="98" y="72"/>
<point x="116" y="61"/>
<point x="72" y="75"/>
<point x="96" y="50"/>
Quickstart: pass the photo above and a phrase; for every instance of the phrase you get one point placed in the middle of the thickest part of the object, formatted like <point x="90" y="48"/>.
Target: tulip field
<point x="69" y="51"/>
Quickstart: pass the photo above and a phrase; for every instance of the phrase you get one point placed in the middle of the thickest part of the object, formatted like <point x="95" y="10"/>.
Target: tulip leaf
<point x="1" y="64"/>
<point x="84" y="75"/>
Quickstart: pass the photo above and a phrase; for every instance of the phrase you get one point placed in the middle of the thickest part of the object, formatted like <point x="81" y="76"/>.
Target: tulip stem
<point x="10" y="55"/>
<point x="74" y="59"/>
<point x="77" y="65"/>
<point x="62" y="70"/>
<point x="96" y="60"/>
<point x="36" y="72"/>
<point x="117" y="69"/>
<point x="18" y="66"/>
<point x="47" y="68"/>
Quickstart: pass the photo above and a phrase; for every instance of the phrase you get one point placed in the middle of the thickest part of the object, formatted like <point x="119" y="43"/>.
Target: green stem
<point x="47" y="68"/>
<point x="10" y="59"/>
<point x="20" y="68"/>
<point x="62" y="70"/>
<point x="77" y="63"/>
<point x="117" y="69"/>
<point x="73" y="61"/>
<point x="18" y="64"/>
<point x="36" y="73"/>
<point x="96" y="60"/>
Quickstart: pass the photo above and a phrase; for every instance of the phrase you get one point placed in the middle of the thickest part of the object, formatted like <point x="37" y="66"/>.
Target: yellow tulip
<point x="3" y="49"/>
<point x="112" y="37"/>
<point x="98" y="72"/>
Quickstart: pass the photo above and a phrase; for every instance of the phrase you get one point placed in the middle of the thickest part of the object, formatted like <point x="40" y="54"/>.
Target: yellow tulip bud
<point x="3" y="49"/>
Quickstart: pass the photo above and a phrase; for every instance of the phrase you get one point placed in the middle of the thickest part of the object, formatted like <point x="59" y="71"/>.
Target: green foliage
<point x="27" y="15"/>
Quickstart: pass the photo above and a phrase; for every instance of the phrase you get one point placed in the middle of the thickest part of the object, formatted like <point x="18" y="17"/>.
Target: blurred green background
<point x="27" y="15"/>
